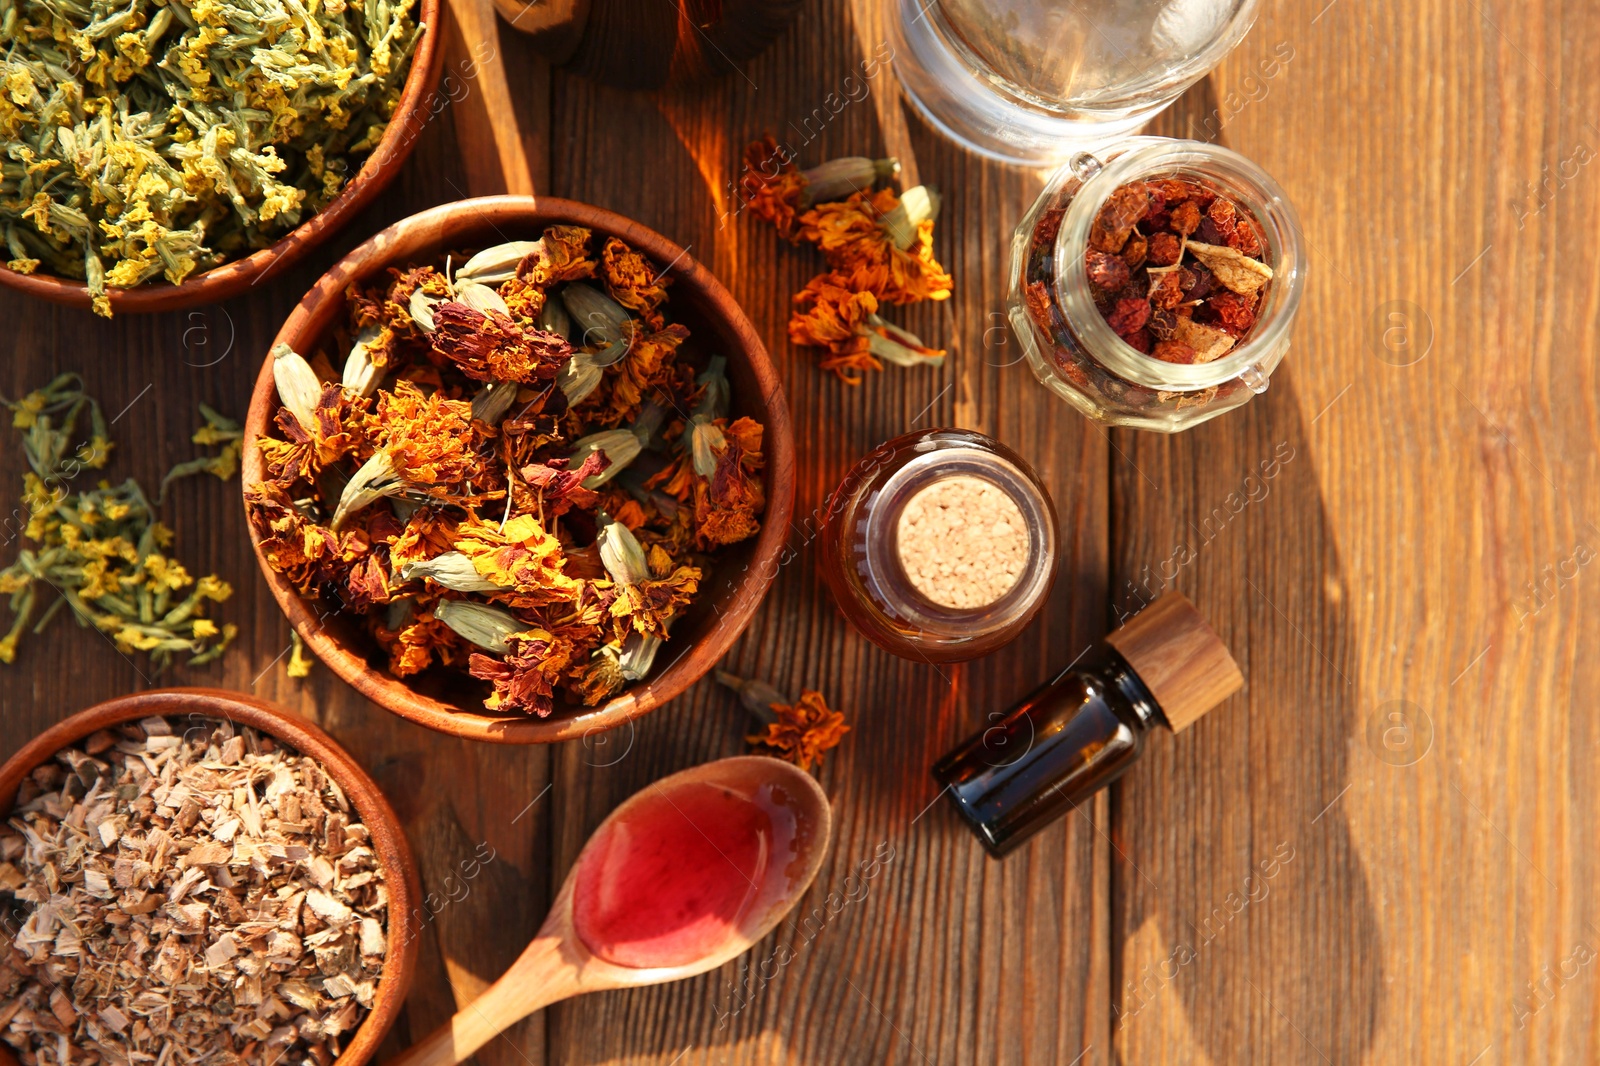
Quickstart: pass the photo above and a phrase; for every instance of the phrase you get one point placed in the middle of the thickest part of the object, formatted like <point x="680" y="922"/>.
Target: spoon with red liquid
<point x="687" y="874"/>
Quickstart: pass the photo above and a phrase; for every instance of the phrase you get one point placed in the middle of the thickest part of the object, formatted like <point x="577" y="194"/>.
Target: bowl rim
<point x="392" y="693"/>
<point x="230" y="279"/>
<point x="388" y="836"/>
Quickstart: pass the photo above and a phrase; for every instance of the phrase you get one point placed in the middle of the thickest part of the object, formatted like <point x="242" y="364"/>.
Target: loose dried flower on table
<point x="519" y="472"/>
<point x="100" y="550"/>
<point x="163" y="138"/>
<point x="799" y="731"/>
<point x="204" y="897"/>
<point x="878" y="245"/>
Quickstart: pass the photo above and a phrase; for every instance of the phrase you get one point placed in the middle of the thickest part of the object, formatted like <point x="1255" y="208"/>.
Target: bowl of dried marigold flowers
<point x="189" y="875"/>
<point x="519" y="470"/>
<point x="184" y="150"/>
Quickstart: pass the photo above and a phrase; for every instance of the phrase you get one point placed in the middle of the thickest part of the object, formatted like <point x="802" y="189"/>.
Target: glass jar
<point x="1073" y="349"/>
<point x="867" y="542"/>
<point x="1036" y="81"/>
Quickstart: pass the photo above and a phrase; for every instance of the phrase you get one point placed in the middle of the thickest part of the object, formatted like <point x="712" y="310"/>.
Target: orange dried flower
<point x="419" y="640"/>
<point x="772" y="188"/>
<point x="336" y="433"/>
<point x="522" y="558"/>
<point x="525" y="678"/>
<point x="771" y="184"/>
<point x="634" y="282"/>
<point x="804" y="730"/>
<point x="882" y="246"/>
<point x="650" y="364"/>
<point x="829" y="314"/>
<point x="491" y="347"/>
<point x="564" y="256"/>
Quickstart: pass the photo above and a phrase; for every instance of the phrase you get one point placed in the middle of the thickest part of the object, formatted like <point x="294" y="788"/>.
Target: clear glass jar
<point x="861" y="552"/>
<point x="1072" y="348"/>
<point x="1036" y="81"/>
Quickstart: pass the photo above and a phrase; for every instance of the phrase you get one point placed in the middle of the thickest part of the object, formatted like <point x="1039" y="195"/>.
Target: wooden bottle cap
<point x="1180" y="659"/>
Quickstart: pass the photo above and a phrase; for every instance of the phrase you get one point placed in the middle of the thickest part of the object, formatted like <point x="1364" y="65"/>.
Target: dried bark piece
<point x="1208" y="343"/>
<point x="1235" y="270"/>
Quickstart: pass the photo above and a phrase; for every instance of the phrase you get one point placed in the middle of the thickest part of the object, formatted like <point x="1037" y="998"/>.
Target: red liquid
<point x="676" y="874"/>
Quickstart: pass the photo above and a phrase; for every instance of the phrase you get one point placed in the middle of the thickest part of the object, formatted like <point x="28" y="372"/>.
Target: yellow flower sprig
<point x="99" y="550"/>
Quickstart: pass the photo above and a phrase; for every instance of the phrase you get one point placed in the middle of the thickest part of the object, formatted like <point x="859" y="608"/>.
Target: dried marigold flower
<point x="829" y="314"/>
<point x="525" y="677"/>
<point x="489" y="346"/>
<point x="426" y="445"/>
<point x="414" y="638"/>
<point x="800" y="731"/>
<point x="773" y="189"/>
<point x="633" y="281"/>
<point x="883" y="244"/>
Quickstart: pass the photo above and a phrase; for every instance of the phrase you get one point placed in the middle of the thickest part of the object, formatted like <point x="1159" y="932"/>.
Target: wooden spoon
<point x="724" y="850"/>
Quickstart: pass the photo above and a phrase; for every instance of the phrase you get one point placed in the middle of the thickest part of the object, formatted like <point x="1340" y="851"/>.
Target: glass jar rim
<point x="1189" y="70"/>
<point x="1243" y="181"/>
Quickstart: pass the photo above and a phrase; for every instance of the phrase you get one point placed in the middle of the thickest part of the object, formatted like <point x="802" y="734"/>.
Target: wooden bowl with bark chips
<point x="417" y="105"/>
<point x="734" y="578"/>
<point x="214" y="736"/>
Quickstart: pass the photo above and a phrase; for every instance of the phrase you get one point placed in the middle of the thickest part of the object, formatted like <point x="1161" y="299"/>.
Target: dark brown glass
<point x="1050" y="752"/>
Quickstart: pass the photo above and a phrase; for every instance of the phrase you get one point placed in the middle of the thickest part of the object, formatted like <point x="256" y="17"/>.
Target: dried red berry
<point x="1161" y="324"/>
<point x="1222" y="214"/>
<point x="1122" y="210"/>
<point x="1170" y="351"/>
<point x="1166" y="289"/>
<point x="1185" y="218"/>
<point x="1204" y="284"/>
<point x="1235" y="313"/>
<point x="1044" y="234"/>
<point x="1139" y="338"/>
<point x="1133" y="252"/>
<point x="1106" y="271"/>
<point x="1246" y="240"/>
<point x="1164" y="249"/>
<point x="1131" y="313"/>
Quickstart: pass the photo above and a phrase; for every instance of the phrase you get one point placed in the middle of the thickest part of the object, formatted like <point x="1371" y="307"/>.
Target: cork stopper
<point x="1180" y="659"/>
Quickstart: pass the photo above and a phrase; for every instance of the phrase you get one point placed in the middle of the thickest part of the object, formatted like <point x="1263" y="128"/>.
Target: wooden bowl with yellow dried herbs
<point x="248" y="890"/>
<point x="143" y="185"/>
<point x="518" y="469"/>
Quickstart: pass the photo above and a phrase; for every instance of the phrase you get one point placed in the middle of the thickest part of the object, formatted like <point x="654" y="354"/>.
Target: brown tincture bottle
<point x="1082" y="731"/>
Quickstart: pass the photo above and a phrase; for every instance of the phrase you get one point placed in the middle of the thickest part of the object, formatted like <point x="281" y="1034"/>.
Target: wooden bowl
<point x="388" y="840"/>
<point x="444" y="699"/>
<point x="411" y="114"/>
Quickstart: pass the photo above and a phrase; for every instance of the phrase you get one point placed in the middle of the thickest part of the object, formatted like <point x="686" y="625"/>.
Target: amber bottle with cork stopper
<point x="1083" y="730"/>
<point x="939" y="545"/>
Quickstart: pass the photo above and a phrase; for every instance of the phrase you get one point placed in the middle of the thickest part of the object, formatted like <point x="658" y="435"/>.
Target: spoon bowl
<point x="687" y="874"/>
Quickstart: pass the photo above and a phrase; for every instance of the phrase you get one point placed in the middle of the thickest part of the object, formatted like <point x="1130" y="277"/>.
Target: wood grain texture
<point x="1414" y="754"/>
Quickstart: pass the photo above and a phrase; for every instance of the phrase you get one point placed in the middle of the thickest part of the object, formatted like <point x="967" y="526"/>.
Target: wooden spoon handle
<point x="540" y="976"/>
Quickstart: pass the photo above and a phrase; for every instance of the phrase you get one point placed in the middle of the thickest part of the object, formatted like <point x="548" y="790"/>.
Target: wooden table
<point x="1405" y="596"/>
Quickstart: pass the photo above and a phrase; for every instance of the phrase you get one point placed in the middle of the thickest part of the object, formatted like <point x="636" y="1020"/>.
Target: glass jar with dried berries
<point x="1155" y="287"/>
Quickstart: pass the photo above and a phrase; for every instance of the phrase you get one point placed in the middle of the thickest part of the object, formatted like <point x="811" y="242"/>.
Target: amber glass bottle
<point x="863" y="556"/>
<point x="1082" y="731"/>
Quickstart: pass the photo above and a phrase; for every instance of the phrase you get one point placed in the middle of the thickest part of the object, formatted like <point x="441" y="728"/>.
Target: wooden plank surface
<point x="1380" y="852"/>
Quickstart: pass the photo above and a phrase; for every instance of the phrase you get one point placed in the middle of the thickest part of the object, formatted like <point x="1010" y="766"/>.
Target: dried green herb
<point x="162" y="137"/>
<point x="100" y="550"/>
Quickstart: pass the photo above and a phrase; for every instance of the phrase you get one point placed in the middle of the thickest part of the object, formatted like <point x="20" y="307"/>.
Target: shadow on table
<point x="1239" y="893"/>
